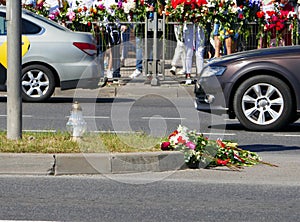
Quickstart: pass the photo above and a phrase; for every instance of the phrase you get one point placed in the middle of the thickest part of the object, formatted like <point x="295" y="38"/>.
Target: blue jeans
<point x="125" y="43"/>
<point x="139" y="53"/>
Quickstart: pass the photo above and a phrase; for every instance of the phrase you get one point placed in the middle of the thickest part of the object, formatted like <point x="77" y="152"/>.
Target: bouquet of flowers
<point x="247" y="14"/>
<point x="200" y="151"/>
<point x="194" y="11"/>
<point x="226" y="14"/>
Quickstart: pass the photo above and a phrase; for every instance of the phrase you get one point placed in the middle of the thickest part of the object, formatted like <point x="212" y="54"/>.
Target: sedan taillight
<point x="88" y="48"/>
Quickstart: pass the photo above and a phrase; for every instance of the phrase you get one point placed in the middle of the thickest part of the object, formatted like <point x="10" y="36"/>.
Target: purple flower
<point x="52" y="16"/>
<point x="101" y="7"/>
<point x="190" y="145"/>
<point x="120" y="4"/>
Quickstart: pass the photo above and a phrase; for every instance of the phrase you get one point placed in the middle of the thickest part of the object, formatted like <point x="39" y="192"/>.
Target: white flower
<point x="129" y="6"/>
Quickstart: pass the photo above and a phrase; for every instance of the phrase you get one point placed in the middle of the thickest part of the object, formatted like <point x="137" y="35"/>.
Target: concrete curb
<point x="19" y="163"/>
<point x="90" y="163"/>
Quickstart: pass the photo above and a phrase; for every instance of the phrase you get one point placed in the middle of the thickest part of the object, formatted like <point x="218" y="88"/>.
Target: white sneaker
<point x="181" y="72"/>
<point x="109" y="74"/>
<point x="135" y="74"/>
<point x="173" y="70"/>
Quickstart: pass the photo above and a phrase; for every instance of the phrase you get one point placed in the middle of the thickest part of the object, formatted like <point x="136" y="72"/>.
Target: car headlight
<point x="213" y="71"/>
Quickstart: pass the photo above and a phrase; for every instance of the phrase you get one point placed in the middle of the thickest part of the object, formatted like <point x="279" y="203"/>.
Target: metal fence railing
<point x="166" y="43"/>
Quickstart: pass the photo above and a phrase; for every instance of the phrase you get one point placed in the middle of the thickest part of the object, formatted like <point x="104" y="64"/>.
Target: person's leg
<point x="109" y="72"/>
<point x="139" y="53"/>
<point x="125" y="44"/>
<point x="200" y="48"/>
<point x="176" y="56"/>
<point x="228" y="44"/>
<point x="139" y="57"/>
<point x="217" y="40"/>
<point x="189" y="45"/>
<point x="116" y="60"/>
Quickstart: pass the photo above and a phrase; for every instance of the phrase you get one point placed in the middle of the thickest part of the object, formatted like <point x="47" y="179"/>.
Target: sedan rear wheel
<point x="38" y="83"/>
<point x="263" y="103"/>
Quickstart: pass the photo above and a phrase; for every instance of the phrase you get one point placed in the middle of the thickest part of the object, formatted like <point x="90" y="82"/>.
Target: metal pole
<point x="155" y="80"/>
<point x="14" y="101"/>
<point x="145" y="59"/>
<point x="162" y="63"/>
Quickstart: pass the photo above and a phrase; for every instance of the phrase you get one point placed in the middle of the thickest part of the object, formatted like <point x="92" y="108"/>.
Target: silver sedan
<point x="56" y="57"/>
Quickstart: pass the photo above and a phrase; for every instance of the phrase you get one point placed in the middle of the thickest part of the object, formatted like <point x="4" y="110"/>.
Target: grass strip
<point x="60" y="142"/>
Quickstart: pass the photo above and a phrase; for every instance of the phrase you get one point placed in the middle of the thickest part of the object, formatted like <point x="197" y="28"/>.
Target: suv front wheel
<point x="263" y="103"/>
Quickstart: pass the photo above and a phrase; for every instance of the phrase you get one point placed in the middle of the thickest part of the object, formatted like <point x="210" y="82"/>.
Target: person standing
<point x="179" y="54"/>
<point x="125" y="37"/>
<point x="139" y="36"/>
<point x="194" y="38"/>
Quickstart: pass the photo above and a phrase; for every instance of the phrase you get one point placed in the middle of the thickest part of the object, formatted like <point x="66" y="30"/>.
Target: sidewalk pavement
<point x="170" y="86"/>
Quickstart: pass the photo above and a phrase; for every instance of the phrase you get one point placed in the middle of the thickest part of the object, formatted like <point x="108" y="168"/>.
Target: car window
<point x="3" y="27"/>
<point x="29" y="27"/>
<point x="43" y="19"/>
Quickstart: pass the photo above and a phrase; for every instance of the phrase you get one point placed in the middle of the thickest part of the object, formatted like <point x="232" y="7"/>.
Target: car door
<point x="3" y="48"/>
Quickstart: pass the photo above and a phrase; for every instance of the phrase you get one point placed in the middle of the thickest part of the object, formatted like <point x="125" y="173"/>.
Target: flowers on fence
<point x="273" y="24"/>
<point x="195" y="11"/>
<point x="230" y="17"/>
<point x="201" y="151"/>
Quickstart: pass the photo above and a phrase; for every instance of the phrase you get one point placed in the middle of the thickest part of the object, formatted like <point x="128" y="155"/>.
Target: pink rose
<point x="190" y="145"/>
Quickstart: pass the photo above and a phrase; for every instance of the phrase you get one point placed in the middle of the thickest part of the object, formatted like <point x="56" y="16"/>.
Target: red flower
<point x="260" y="14"/>
<point x="180" y="140"/>
<point x="189" y="2"/>
<point x="220" y="143"/>
<point x="222" y="162"/>
<point x="270" y="13"/>
<point x="173" y="134"/>
<point x="165" y="146"/>
<point x="174" y="3"/>
<point x="239" y="158"/>
<point x="201" y="2"/>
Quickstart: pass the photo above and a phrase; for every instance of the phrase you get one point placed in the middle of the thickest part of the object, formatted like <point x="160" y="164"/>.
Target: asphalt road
<point x="190" y="195"/>
<point x="259" y="193"/>
<point x="154" y="114"/>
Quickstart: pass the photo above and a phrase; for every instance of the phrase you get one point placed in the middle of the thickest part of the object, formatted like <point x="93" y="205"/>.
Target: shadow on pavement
<point x="81" y="100"/>
<point x="87" y="100"/>
<point x="295" y="127"/>
<point x="270" y="148"/>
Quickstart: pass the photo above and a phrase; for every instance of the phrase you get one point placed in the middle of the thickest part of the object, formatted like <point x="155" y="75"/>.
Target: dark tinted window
<point x="27" y="26"/>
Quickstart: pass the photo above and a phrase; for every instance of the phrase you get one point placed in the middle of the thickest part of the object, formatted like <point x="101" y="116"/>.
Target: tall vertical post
<point x="155" y="80"/>
<point x="14" y="101"/>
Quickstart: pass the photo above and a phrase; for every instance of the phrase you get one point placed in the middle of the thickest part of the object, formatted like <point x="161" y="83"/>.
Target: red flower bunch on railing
<point x="194" y="11"/>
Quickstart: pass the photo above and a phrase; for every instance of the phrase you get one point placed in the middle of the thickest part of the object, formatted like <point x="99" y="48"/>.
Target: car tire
<point x="263" y="103"/>
<point x="38" y="83"/>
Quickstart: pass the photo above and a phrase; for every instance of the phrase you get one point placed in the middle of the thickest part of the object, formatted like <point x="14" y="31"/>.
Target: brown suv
<point x="260" y="87"/>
